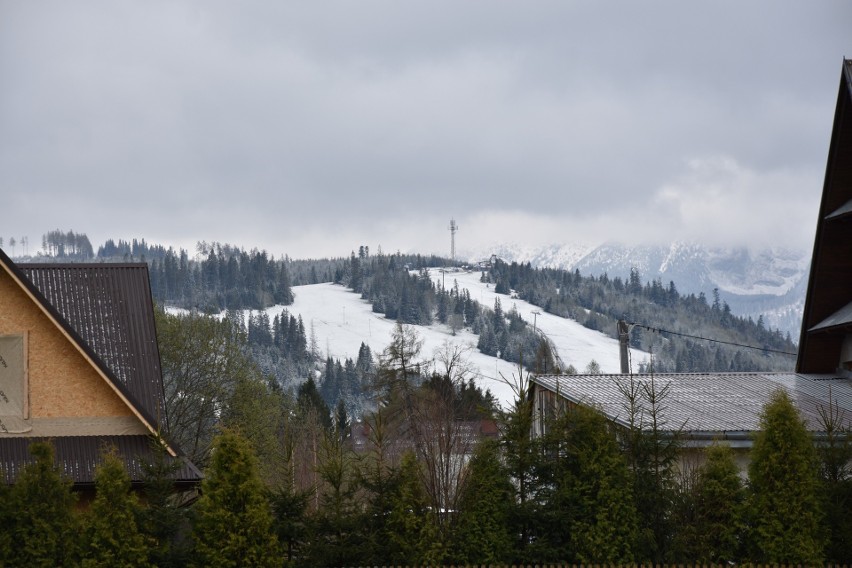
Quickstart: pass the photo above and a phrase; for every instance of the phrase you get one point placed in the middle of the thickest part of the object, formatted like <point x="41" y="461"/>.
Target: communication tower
<point x="453" y="229"/>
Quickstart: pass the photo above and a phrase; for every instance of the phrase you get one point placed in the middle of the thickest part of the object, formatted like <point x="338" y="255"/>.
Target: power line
<point x="658" y="330"/>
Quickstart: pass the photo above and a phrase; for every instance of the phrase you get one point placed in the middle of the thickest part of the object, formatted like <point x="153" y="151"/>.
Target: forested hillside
<point x="599" y="302"/>
<point x="220" y="277"/>
<point x="405" y="293"/>
<point x="433" y="472"/>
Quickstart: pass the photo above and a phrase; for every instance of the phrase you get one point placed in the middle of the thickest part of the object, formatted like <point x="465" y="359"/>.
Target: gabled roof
<point x="826" y="318"/>
<point x="105" y="310"/>
<point x="108" y="309"/>
<point x="709" y="402"/>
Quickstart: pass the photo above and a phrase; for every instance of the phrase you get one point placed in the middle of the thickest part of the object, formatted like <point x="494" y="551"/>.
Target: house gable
<point x="81" y="343"/>
<point x="825" y="345"/>
<point x="66" y="393"/>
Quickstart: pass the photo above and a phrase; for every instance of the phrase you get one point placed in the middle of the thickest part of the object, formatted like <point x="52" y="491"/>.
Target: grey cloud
<point x="265" y="120"/>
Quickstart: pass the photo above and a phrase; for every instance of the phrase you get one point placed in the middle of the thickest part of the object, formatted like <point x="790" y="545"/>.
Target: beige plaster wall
<point x="62" y="382"/>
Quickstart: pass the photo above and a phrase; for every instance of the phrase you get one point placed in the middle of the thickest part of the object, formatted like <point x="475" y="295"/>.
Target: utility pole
<point x="535" y="314"/>
<point x="623" y="346"/>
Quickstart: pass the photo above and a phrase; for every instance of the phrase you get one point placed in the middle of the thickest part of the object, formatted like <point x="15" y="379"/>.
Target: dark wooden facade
<point x="827" y="318"/>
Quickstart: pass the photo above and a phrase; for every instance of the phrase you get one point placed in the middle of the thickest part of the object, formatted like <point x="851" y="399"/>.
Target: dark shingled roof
<point x="107" y="310"/>
<point x="78" y="456"/>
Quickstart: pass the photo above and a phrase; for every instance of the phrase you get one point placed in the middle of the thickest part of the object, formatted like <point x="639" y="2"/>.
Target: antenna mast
<point x="453" y="229"/>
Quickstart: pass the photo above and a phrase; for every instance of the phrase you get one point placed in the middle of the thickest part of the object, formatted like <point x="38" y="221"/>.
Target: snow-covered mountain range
<point x="769" y="282"/>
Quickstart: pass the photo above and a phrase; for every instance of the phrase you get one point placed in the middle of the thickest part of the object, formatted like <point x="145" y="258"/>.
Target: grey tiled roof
<point x="710" y="402"/>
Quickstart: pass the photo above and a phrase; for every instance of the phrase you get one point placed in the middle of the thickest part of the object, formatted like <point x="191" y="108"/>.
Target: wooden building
<point x="825" y="344"/>
<point x="80" y="366"/>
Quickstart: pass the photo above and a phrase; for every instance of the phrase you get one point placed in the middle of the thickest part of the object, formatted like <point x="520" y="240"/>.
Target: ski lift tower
<point x="453" y="229"/>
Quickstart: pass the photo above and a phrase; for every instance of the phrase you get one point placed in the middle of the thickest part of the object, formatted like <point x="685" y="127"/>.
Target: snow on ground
<point x="575" y="344"/>
<point x="340" y="320"/>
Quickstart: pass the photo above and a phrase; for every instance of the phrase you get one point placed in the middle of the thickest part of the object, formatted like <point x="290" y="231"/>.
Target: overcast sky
<point x="308" y="128"/>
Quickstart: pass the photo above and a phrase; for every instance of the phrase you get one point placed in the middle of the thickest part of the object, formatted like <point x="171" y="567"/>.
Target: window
<point x="14" y="390"/>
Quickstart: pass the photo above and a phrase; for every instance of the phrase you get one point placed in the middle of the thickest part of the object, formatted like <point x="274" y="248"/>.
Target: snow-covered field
<point x="341" y="320"/>
<point x="575" y="344"/>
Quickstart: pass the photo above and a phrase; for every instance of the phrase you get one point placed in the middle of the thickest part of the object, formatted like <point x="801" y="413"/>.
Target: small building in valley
<point x="700" y="408"/>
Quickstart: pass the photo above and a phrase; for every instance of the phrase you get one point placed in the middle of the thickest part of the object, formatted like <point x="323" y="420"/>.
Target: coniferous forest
<point x="391" y="458"/>
<point x="433" y="474"/>
<point x="218" y="278"/>
<point x="223" y="277"/>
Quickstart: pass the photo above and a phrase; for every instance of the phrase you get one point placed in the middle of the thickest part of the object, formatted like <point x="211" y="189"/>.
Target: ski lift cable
<point x="659" y="330"/>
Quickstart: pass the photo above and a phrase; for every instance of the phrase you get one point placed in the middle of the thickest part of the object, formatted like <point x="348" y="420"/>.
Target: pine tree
<point x="785" y="506"/>
<point x="112" y="537"/>
<point x="162" y="517"/>
<point x="233" y="525"/>
<point x="719" y="501"/>
<point x="44" y="528"/>
<point x="483" y="534"/>
<point x="602" y="520"/>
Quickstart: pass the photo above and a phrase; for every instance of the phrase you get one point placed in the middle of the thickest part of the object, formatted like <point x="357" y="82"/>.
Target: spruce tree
<point x="602" y="519"/>
<point x="42" y="529"/>
<point x="335" y="539"/>
<point x="483" y="534"/>
<point x="112" y="537"/>
<point x="7" y="517"/>
<point x="708" y="516"/>
<point x="521" y="454"/>
<point x="719" y="502"/>
<point x="408" y="524"/>
<point x="785" y="507"/>
<point x="290" y="520"/>
<point x="835" y="457"/>
<point x="310" y="402"/>
<point x="163" y="516"/>
<point x="233" y="523"/>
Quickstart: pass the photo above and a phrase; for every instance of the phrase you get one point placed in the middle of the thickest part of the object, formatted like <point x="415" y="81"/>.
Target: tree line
<point x="222" y="276"/>
<point x="598" y="302"/>
<point x="421" y="479"/>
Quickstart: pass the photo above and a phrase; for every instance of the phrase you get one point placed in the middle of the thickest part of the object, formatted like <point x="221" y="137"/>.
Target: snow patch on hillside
<point x="575" y="344"/>
<point x="340" y="320"/>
